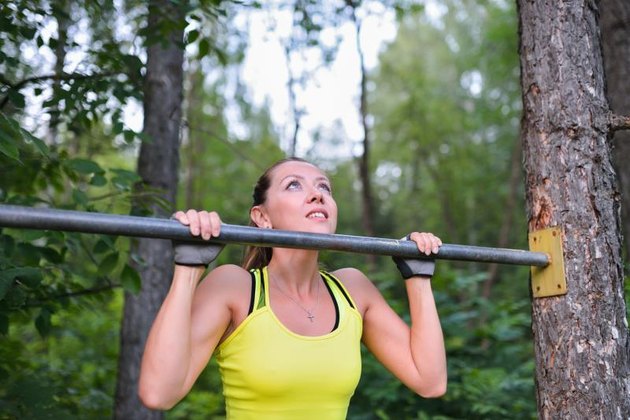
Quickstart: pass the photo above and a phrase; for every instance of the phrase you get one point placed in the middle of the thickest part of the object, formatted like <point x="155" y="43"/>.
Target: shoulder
<point x="360" y="287"/>
<point x="351" y="277"/>
<point x="226" y="279"/>
<point x="225" y="288"/>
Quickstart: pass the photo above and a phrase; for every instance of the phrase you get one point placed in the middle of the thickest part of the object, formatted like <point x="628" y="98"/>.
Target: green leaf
<point x="123" y="179"/>
<point x="84" y="166"/>
<point x="43" y="322"/>
<point x="129" y="135"/>
<point x="7" y="245"/>
<point x="9" y="148"/>
<point x="102" y="246"/>
<point x="130" y="279"/>
<point x="79" y="197"/>
<point x="108" y="264"/>
<point x="39" y="144"/>
<point x="5" y="285"/>
<point x="21" y="272"/>
<point x="29" y="235"/>
<point x="16" y="98"/>
<point x="27" y="32"/>
<point x="133" y="63"/>
<point x="15" y="297"/>
<point x="28" y="254"/>
<point x="204" y="47"/>
<point x="29" y="276"/>
<point x="51" y="255"/>
<point x="98" y="180"/>
<point x="192" y="36"/>
<point x="118" y="127"/>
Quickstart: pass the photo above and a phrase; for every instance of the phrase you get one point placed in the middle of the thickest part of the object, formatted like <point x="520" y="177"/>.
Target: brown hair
<point x="258" y="257"/>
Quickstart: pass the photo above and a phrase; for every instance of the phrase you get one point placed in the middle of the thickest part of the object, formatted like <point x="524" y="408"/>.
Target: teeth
<point x="316" y="214"/>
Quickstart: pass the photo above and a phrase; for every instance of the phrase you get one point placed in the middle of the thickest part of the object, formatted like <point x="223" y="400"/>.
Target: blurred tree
<point x="446" y="121"/>
<point x="446" y="115"/>
<point x="580" y="339"/>
<point x="158" y="166"/>
<point x="368" y="204"/>
<point x="44" y="272"/>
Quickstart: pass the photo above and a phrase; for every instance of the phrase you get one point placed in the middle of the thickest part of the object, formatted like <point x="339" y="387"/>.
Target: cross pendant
<point x="310" y="316"/>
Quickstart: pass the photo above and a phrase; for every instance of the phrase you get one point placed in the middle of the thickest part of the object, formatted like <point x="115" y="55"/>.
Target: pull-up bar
<point x="111" y="224"/>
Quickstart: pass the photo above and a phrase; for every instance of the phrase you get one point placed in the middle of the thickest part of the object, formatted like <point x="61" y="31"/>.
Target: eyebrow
<point x="319" y="178"/>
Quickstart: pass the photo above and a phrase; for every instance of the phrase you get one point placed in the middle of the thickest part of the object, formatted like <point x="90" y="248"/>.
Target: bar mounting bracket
<point x="550" y="280"/>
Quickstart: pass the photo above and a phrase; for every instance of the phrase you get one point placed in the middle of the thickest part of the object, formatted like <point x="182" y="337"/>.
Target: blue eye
<point x="325" y="187"/>
<point x="293" y="185"/>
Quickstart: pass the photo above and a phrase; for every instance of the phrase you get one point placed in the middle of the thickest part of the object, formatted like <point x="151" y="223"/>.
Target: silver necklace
<point x="310" y="313"/>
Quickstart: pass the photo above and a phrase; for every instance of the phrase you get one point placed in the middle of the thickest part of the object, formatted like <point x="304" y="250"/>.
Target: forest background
<point x="440" y="112"/>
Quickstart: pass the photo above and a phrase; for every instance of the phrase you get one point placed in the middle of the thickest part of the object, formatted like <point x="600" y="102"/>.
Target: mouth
<point x="317" y="214"/>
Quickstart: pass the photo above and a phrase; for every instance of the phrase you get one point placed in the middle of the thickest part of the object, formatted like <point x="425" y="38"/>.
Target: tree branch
<point x="619" y="122"/>
<point x="73" y="294"/>
<point x="56" y="77"/>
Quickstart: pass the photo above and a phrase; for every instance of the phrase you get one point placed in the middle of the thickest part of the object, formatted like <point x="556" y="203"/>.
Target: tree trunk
<point x="581" y="338"/>
<point x="615" y="26"/>
<point x="158" y="166"/>
<point x="364" y="160"/>
<point x="61" y="13"/>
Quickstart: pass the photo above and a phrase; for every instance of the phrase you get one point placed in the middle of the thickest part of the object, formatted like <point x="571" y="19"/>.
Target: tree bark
<point x="581" y="338"/>
<point x="615" y="26"/>
<point x="158" y="166"/>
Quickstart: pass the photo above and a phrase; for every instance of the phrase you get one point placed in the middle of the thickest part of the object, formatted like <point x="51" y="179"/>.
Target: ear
<point x="258" y="215"/>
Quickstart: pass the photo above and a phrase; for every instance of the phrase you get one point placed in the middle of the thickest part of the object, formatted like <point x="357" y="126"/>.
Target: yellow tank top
<point x="269" y="372"/>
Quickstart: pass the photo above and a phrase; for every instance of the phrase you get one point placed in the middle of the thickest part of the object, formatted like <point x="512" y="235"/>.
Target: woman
<point x="285" y="334"/>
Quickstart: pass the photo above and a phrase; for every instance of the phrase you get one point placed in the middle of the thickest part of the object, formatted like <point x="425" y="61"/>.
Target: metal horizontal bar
<point x="147" y="227"/>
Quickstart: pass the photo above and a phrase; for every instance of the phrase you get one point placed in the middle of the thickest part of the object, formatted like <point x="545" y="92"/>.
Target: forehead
<point x="300" y="169"/>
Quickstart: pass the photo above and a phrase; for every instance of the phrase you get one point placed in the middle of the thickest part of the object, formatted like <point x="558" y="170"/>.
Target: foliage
<point x="60" y="285"/>
<point x="70" y="373"/>
<point x="445" y="117"/>
<point x="490" y="365"/>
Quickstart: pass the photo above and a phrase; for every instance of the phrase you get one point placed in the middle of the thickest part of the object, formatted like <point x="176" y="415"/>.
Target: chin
<point x="320" y="227"/>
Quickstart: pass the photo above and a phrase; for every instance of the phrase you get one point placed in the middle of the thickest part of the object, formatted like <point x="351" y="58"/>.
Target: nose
<point x="316" y="196"/>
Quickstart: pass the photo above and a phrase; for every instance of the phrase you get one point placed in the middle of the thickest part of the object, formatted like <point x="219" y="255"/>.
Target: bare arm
<point x="193" y="318"/>
<point x="185" y="333"/>
<point x="416" y="354"/>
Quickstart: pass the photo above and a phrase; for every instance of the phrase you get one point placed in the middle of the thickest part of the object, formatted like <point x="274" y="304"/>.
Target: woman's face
<point x="299" y="198"/>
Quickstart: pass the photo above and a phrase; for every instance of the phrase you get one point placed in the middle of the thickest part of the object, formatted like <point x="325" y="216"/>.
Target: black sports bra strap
<point x="251" y="298"/>
<point x="258" y="284"/>
<point x="338" y="285"/>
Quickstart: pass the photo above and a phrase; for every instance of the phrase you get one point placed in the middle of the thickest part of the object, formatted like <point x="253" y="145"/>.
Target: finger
<point x="424" y="241"/>
<point x="435" y="243"/>
<point x="419" y="240"/>
<point x="193" y="221"/>
<point x="427" y="243"/>
<point x="215" y="220"/>
<point x="205" y="224"/>
<point x="180" y="216"/>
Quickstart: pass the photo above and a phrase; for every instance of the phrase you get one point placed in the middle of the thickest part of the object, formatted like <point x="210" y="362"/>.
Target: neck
<point x="295" y="268"/>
